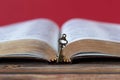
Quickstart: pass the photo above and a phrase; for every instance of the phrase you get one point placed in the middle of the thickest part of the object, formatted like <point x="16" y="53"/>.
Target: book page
<point x="77" y="29"/>
<point x="38" y="29"/>
<point x="91" y="36"/>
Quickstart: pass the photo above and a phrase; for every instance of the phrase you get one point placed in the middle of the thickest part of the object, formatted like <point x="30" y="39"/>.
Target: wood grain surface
<point x="60" y="77"/>
<point x="39" y="68"/>
<point x="42" y="71"/>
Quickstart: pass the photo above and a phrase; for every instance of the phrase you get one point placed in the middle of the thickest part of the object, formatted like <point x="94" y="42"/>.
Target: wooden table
<point x="83" y="71"/>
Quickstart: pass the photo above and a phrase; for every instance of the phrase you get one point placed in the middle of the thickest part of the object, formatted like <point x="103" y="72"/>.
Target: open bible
<point x="39" y="39"/>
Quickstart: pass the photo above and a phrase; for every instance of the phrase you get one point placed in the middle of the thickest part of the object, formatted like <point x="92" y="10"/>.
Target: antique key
<point x="62" y="43"/>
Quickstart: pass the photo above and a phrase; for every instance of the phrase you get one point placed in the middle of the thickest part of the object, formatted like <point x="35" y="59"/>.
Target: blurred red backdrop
<point x="59" y="10"/>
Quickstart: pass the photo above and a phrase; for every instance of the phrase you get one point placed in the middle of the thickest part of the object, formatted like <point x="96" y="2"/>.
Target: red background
<point x="59" y="10"/>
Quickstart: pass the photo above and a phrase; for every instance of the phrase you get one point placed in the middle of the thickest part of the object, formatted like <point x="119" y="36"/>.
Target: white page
<point x="78" y="29"/>
<point x="40" y="29"/>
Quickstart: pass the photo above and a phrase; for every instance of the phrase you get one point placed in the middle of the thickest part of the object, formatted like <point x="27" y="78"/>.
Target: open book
<point x="38" y="39"/>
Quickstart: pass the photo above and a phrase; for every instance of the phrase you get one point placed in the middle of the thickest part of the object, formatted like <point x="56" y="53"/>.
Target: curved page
<point x="91" y="36"/>
<point x="36" y="38"/>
